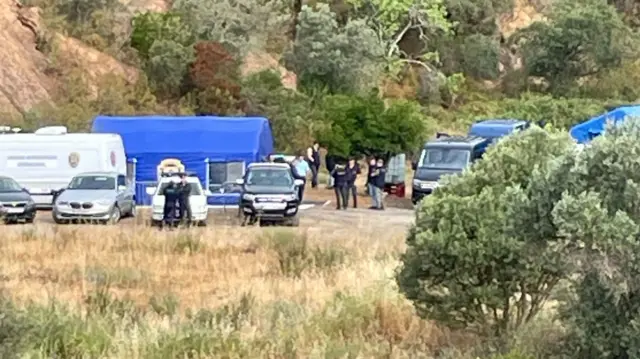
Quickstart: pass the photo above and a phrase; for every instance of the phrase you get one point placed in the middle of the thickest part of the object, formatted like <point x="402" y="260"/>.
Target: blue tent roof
<point x="191" y="139"/>
<point x="585" y="131"/>
<point x="494" y="128"/>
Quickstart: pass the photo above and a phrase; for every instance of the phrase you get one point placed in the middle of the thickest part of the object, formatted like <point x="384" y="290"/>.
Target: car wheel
<point x="294" y="222"/>
<point x="29" y="220"/>
<point x="114" y="216"/>
<point x="59" y="220"/>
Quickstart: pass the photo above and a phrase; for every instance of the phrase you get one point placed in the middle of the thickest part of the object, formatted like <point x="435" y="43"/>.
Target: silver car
<point x="95" y="196"/>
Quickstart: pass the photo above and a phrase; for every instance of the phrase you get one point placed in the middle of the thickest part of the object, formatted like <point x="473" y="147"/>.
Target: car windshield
<point x="277" y="177"/>
<point x="9" y="185"/>
<point x="195" y="189"/>
<point x="444" y="158"/>
<point x="93" y="183"/>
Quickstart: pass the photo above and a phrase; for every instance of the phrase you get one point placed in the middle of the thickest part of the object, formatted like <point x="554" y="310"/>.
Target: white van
<point x="45" y="161"/>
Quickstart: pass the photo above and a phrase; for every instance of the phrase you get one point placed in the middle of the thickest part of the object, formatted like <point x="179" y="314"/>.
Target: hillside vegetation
<point x="442" y="63"/>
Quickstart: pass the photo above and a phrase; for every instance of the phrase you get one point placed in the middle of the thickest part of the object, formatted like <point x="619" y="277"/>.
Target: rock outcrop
<point x="23" y="83"/>
<point x="24" y="79"/>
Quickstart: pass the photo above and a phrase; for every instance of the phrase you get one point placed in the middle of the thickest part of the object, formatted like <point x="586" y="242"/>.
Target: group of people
<point x="342" y="177"/>
<point x="176" y="199"/>
<point x="343" y="180"/>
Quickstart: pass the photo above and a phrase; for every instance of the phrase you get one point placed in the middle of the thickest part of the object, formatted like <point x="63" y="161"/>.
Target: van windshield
<point x="93" y="183"/>
<point x="444" y="158"/>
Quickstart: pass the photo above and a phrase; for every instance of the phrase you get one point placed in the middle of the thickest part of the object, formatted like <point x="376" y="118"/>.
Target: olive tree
<point x="601" y="212"/>
<point x="484" y="253"/>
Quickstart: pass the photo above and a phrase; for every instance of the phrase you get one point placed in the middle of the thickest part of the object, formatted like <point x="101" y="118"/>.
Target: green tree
<point x="600" y="212"/>
<point x="150" y="27"/>
<point x="243" y="25"/>
<point x="324" y="55"/>
<point x="580" y="39"/>
<point x="480" y="57"/>
<point x="290" y="112"/>
<point x="483" y="253"/>
<point x="393" y="20"/>
<point x="354" y="125"/>
<point x="167" y="67"/>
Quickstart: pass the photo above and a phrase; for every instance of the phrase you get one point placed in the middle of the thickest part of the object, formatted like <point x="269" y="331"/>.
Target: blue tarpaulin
<point x="193" y="140"/>
<point x="586" y="131"/>
<point x="497" y="128"/>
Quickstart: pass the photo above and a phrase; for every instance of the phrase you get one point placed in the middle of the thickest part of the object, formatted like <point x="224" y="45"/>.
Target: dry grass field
<point x="324" y="290"/>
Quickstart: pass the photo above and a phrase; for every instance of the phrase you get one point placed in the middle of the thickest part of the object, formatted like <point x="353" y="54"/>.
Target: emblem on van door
<point x="74" y="159"/>
<point x="113" y="159"/>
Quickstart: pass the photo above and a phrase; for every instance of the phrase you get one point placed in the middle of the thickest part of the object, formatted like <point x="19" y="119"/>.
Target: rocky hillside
<point x="25" y="80"/>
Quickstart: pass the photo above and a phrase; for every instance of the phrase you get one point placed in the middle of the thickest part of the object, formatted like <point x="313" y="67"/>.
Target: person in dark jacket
<point x="171" y="195"/>
<point x="353" y="170"/>
<point x="340" y="175"/>
<point x="313" y="158"/>
<point x="184" y="190"/>
<point x="330" y="163"/>
<point x="378" y="185"/>
<point x="371" y="170"/>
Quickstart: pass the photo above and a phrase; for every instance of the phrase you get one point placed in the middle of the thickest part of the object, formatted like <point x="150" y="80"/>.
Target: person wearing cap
<point x="184" y="191"/>
<point x="353" y="170"/>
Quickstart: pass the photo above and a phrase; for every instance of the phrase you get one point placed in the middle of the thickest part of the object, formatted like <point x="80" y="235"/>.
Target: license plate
<point x="270" y="206"/>
<point x="39" y="190"/>
<point x="14" y="210"/>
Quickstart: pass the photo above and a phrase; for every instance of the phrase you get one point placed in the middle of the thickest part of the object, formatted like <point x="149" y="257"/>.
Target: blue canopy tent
<point x="205" y="145"/>
<point x="586" y="131"/>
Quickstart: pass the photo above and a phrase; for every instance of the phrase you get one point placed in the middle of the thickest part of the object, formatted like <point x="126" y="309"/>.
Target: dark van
<point x="444" y="155"/>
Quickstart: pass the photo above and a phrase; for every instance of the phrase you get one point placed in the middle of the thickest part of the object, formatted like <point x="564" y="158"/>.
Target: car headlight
<point x="417" y="183"/>
<point x="62" y="203"/>
<point x="248" y="197"/>
<point x="30" y="202"/>
<point x="290" y="197"/>
<point x="103" y="202"/>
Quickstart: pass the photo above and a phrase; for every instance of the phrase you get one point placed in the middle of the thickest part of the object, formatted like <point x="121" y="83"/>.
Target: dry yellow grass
<point x="315" y="291"/>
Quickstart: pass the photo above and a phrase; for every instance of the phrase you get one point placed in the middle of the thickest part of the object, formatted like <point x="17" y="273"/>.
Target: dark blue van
<point x="497" y="128"/>
<point x="444" y="155"/>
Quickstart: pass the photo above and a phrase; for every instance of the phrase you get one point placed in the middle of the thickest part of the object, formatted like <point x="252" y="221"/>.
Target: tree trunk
<point x="295" y="13"/>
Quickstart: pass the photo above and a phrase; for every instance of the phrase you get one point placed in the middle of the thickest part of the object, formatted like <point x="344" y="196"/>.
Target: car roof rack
<point x="173" y="174"/>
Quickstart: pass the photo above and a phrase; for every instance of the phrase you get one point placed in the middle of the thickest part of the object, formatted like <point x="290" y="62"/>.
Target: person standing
<point x="330" y="163"/>
<point x="340" y="185"/>
<point x="378" y="185"/>
<point x="313" y="157"/>
<point x="170" y="194"/>
<point x="302" y="170"/>
<point x="353" y="170"/>
<point x="370" y="176"/>
<point x="184" y="190"/>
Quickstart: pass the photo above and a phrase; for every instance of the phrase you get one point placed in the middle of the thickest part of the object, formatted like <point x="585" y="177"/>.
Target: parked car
<point x="16" y="204"/>
<point x="104" y="197"/>
<point x="269" y="194"/>
<point x="197" y="200"/>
